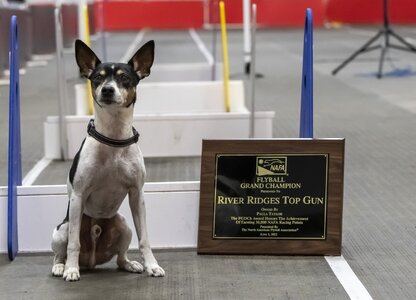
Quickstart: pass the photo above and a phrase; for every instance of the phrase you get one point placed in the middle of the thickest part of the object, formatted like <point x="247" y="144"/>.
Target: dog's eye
<point x="124" y="77"/>
<point x="97" y="77"/>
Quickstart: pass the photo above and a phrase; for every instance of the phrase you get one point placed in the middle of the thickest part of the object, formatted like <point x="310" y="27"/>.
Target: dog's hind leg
<point x="59" y="246"/>
<point x="124" y="242"/>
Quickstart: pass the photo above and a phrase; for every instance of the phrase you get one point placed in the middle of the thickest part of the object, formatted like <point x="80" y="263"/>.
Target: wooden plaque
<point x="271" y="197"/>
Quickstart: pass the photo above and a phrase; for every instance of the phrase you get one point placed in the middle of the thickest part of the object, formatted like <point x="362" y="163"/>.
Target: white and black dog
<point x="108" y="166"/>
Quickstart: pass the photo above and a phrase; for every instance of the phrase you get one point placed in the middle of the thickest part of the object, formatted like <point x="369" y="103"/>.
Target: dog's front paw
<point x="155" y="270"/>
<point x="133" y="266"/>
<point x="58" y="270"/>
<point x="71" y="274"/>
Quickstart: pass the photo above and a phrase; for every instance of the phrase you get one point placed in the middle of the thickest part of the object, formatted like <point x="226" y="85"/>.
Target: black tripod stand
<point x="385" y="32"/>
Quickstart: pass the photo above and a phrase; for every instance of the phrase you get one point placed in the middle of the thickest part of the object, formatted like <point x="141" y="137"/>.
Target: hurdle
<point x="15" y="157"/>
<point x="41" y="209"/>
<point x="182" y="113"/>
<point x="306" y="111"/>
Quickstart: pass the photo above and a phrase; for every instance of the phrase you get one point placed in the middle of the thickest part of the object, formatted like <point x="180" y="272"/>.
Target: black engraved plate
<point x="270" y="196"/>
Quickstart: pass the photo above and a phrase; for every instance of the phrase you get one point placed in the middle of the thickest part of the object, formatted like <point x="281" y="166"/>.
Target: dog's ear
<point x="142" y="60"/>
<point x="86" y="58"/>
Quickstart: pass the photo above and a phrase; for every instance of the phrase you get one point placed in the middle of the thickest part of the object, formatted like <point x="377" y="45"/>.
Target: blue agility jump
<point x="306" y="110"/>
<point x="15" y="159"/>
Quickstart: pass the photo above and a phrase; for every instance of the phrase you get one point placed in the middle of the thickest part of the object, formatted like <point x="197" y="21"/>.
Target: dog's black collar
<point x="111" y="142"/>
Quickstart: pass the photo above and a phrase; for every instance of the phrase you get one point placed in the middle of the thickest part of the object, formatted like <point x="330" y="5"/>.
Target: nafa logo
<point x="274" y="165"/>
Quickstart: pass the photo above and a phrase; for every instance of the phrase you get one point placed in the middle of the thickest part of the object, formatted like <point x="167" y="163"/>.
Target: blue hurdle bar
<point x="15" y="158"/>
<point x="306" y="110"/>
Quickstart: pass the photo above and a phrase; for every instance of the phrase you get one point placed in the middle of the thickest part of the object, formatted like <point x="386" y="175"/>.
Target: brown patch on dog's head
<point x="130" y="96"/>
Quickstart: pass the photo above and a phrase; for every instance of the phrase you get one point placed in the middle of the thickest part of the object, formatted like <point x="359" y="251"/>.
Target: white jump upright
<point x="101" y="18"/>
<point x="253" y="70"/>
<point x="62" y="103"/>
<point x="247" y="36"/>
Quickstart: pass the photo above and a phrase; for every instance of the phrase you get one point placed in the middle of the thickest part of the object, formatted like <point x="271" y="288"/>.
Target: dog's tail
<point x="95" y="234"/>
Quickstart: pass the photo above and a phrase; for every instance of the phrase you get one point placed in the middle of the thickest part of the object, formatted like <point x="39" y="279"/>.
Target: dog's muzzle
<point x="107" y="95"/>
<point x="107" y="92"/>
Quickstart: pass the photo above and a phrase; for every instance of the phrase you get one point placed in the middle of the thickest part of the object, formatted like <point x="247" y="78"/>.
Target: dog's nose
<point x="107" y="91"/>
